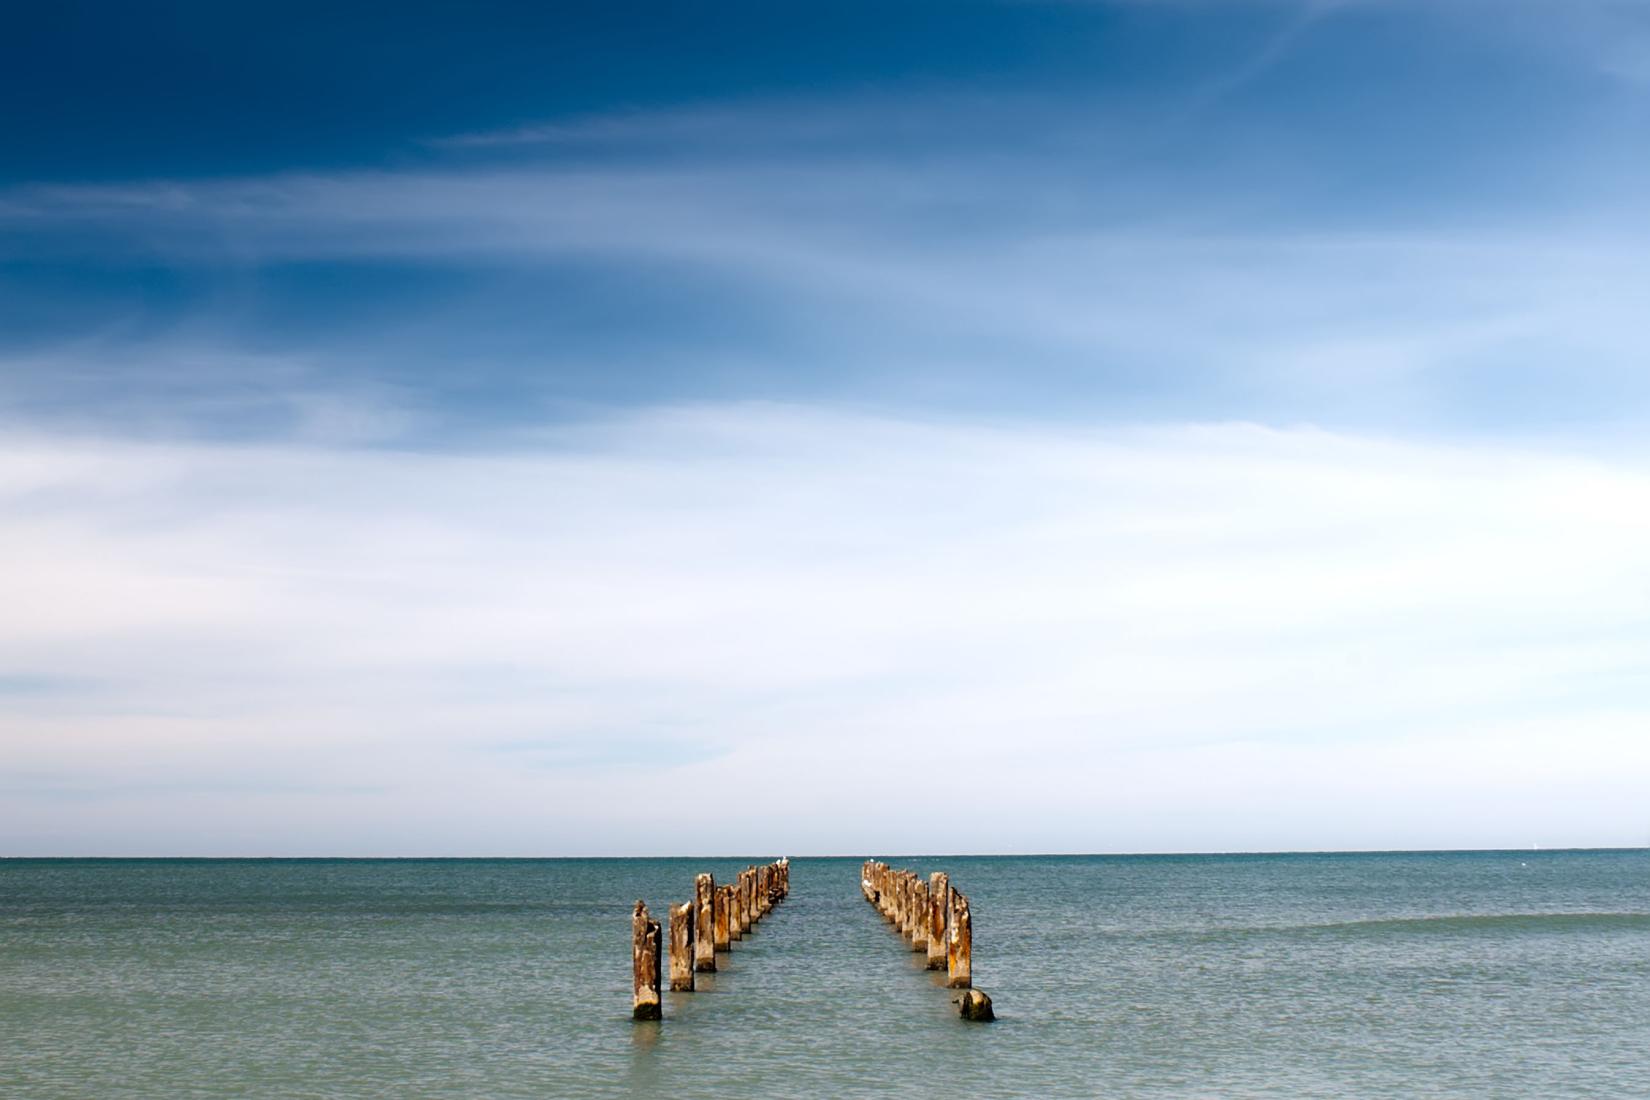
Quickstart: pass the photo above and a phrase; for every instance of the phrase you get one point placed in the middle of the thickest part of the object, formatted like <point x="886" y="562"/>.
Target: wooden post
<point x="939" y="905"/>
<point x="959" y="962"/>
<point x="919" y="916"/>
<point x="704" y="923"/>
<point x="736" y="914"/>
<point x="724" y="933"/>
<point x="644" y="964"/>
<point x="681" y="948"/>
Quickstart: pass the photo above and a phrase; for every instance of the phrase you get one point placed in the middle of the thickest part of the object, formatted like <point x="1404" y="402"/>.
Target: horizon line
<point x="917" y="856"/>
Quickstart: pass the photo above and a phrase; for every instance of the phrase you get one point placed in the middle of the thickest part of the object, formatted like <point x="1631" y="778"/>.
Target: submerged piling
<point x="975" y="1005"/>
<point x="644" y="964"/>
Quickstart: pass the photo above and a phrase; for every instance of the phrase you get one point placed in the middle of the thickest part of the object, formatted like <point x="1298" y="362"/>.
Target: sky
<point x="802" y="428"/>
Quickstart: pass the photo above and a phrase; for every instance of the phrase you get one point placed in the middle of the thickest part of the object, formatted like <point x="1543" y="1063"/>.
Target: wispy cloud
<point x="1439" y="326"/>
<point x="759" y="589"/>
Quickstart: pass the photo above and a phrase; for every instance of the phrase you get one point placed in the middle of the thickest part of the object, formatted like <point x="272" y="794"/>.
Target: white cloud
<point x="1188" y="637"/>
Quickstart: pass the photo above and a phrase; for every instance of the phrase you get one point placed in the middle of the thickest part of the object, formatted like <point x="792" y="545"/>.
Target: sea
<point x="1458" y="974"/>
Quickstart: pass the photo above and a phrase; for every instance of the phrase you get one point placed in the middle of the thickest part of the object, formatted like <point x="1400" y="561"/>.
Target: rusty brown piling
<point x="935" y="918"/>
<point x="736" y="913"/>
<point x="645" y="964"/>
<point x="724" y="920"/>
<point x="939" y="905"/>
<point x="959" y="944"/>
<point x="704" y="923"/>
<point x="698" y="929"/>
<point x="908" y="911"/>
<point x="919" y="916"/>
<point x="681" y="948"/>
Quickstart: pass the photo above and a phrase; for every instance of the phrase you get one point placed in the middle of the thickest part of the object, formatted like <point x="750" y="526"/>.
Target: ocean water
<point x="1511" y="974"/>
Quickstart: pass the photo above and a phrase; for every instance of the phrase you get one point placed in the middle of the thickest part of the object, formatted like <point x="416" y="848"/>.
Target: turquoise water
<point x="1454" y="974"/>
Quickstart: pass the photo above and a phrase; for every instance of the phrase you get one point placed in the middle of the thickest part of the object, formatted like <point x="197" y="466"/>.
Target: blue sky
<point x="1220" y="423"/>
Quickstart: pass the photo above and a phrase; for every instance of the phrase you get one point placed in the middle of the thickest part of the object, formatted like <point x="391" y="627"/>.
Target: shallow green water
<point x="1481" y="974"/>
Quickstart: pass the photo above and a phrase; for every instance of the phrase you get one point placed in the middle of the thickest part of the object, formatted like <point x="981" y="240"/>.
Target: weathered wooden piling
<point x="711" y="922"/>
<point x="919" y="915"/>
<point x="959" y="944"/>
<point x="724" y="919"/>
<point x="939" y="904"/>
<point x="736" y="912"/>
<point x="645" y="964"/>
<point x="681" y="948"/>
<point x="935" y="917"/>
<point x="704" y="923"/>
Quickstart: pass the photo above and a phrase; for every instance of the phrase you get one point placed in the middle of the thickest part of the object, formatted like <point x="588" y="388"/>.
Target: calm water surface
<point x="1482" y="974"/>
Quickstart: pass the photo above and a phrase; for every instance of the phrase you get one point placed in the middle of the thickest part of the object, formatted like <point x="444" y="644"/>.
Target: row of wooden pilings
<point x="713" y="921"/>
<point x="934" y="917"/>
